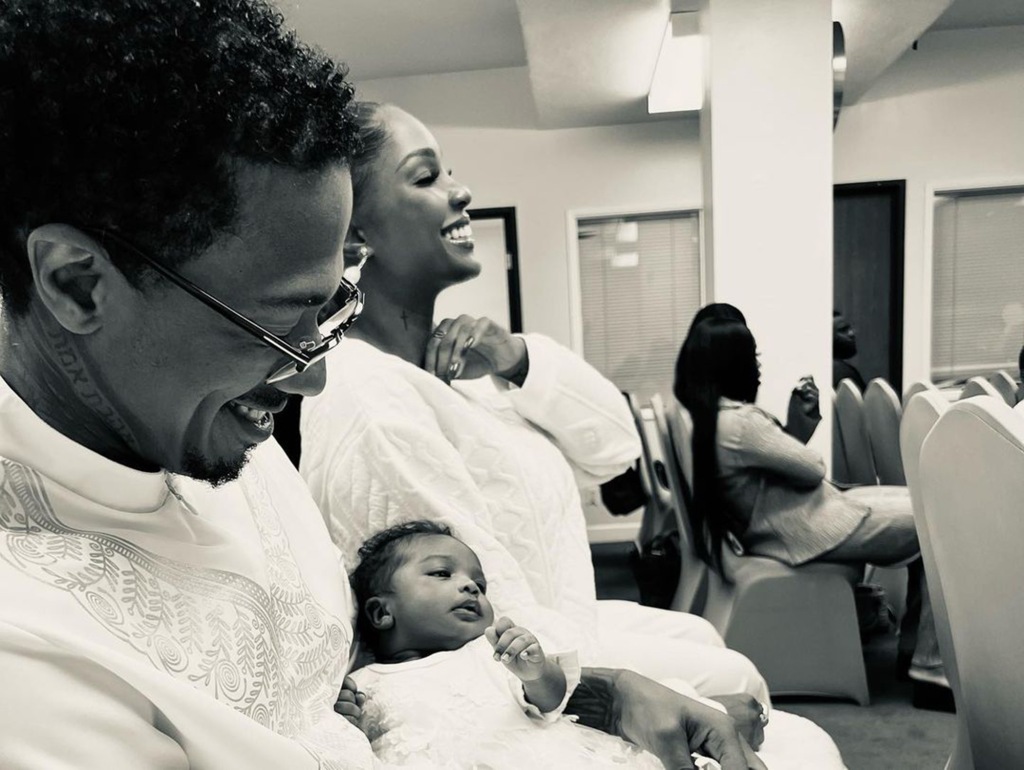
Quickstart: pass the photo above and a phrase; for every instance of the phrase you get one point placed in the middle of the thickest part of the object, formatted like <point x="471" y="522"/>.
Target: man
<point x="175" y="198"/>
<point x="844" y="347"/>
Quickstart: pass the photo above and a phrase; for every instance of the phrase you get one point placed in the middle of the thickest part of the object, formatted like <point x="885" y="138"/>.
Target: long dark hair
<point x="719" y="358"/>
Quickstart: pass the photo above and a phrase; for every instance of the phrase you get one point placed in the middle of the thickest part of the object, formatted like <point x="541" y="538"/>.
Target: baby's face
<point x="438" y="595"/>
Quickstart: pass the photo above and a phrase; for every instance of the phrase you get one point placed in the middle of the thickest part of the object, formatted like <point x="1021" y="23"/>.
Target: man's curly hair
<point x="129" y="115"/>
<point x="379" y="557"/>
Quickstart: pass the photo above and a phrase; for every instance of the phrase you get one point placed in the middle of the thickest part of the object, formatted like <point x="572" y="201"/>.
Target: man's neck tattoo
<point x="405" y="320"/>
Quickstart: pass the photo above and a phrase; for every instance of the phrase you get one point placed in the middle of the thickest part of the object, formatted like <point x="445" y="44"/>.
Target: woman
<point x="756" y="485"/>
<point x="487" y="431"/>
<point x="490" y="433"/>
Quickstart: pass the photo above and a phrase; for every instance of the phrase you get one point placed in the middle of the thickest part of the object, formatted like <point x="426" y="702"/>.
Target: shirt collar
<point x="27" y="439"/>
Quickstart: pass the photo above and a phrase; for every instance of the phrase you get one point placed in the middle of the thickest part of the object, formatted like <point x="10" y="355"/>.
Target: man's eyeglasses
<point x="337" y="316"/>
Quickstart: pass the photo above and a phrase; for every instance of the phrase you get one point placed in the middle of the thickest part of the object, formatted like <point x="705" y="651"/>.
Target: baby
<point x="452" y="688"/>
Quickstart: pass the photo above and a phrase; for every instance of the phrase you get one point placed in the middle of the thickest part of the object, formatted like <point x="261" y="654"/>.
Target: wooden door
<point x="868" y="282"/>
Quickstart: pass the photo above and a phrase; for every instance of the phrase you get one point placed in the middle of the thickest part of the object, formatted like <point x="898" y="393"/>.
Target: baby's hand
<point x="350" y="701"/>
<point x="517" y="648"/>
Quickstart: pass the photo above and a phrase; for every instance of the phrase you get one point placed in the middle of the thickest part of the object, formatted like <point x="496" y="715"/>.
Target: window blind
<point x="978" y="282"/>
<point x="640" y="281"/>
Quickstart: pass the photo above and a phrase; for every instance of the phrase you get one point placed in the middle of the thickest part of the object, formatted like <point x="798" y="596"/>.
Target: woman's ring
<point x="439" y="332"/>
<point x="762" y="717"/>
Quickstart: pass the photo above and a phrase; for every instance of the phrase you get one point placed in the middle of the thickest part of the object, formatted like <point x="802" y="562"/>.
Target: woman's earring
<point x="354" y="273"/>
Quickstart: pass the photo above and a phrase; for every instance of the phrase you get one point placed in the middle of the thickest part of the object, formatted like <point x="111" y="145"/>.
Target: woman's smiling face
<point x="412" y="212"/>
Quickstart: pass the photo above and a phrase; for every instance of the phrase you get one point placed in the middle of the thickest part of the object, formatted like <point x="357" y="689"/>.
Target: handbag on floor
<point x="656" y="569"/>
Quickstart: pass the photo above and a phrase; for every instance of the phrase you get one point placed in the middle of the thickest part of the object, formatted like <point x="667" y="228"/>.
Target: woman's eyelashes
<point x="430" y="176"/>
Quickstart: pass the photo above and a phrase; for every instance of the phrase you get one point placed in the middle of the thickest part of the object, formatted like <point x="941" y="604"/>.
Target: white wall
<point x="950" y="114"/>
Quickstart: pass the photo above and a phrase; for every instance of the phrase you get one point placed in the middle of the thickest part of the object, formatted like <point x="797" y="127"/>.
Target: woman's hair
<point x="373" y="135"/>
<point x="721" y="310"/>
<point x="131" y="116"/>
<point x="718" y="359"/>
<point x="379" y="557"/>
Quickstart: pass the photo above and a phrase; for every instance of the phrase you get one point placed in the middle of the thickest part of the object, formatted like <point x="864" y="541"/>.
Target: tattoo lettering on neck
<point x="405" y="320"/>
<point x="71" y="364"/>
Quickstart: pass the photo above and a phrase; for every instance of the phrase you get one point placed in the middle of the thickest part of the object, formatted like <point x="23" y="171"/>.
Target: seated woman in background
<point x="754" y="483"/>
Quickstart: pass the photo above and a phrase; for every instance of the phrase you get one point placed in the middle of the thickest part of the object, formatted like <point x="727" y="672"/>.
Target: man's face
<point x="844" y="338"/>
<point x="188" y="383"/>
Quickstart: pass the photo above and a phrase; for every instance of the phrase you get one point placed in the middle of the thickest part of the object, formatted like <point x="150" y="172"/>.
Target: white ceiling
<point x="589" y="61"/>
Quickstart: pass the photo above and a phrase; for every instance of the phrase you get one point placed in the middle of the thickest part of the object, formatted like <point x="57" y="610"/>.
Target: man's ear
<point x="73" y="276"/>
<point x="379" y="614"/>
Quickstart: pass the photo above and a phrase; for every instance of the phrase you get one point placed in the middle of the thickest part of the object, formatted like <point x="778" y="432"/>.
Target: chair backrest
<point x="882" y="413"/>
<point x="860" y="463"/>
<point x="1002" y="381"/>
<point x="972" y="488"/>
<point x="693" y="571"/>
<point x="917" y="387"/>
<point x="979" y="386"/>
<point x="657" y="515"/>
<point x="924" y="410"/>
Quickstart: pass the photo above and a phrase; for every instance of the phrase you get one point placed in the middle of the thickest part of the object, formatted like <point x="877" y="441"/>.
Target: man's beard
<point x="214" y="472"/>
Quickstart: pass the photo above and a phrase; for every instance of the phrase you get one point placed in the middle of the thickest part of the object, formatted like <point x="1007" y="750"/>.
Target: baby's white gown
<point x="463" y="710"/>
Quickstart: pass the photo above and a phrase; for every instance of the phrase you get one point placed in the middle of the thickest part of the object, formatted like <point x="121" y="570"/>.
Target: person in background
<point x="1020" y="375"/>
<point x="804" y="411"/>
<point x="844" y="347"/>
<point x="756" y="485"/>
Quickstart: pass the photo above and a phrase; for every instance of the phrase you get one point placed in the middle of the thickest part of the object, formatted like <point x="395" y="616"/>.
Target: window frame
<point x="573" y="217"/>
<point x="934" y="191"/>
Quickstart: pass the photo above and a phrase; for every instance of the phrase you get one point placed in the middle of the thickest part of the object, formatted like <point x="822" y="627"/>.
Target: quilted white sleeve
<point x="582" y="411"/>
<point x="383" y="472"/>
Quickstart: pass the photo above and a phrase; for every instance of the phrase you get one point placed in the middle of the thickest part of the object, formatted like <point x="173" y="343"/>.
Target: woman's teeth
<point x="258" y="417"/>
<point x="461" y="233"/>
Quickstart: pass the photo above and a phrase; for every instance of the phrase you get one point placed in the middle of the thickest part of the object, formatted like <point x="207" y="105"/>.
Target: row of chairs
<point x="866" y="428"/>
<point x="965" y="470"/>
<point x="798" y="625"/>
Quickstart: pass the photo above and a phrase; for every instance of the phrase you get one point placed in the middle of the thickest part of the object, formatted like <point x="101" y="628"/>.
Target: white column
<point x="766" y="142"/>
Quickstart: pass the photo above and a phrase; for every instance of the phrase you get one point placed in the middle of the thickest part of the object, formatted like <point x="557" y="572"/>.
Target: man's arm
<point x="658" y="719"/>
<point x="58" y="711"/>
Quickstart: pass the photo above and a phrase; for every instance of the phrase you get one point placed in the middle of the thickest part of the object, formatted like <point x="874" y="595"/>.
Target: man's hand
<point x="804" y="412"/>
<point x="660" y="720"/>
<point x="517" y="649"/>
<point x="466" y="348"/>
<point x="748" y="715"/>
<point x="350" y="701"/>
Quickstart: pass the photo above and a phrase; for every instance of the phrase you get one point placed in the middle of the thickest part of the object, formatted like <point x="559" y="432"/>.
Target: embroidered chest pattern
<point x="273" y="655"/>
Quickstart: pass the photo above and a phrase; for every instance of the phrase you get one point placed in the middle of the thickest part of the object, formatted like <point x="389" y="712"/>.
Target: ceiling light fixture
<point x="678" y="82"/>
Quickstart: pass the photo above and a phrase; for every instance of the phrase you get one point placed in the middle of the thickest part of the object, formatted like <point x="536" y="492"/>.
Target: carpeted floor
<point x="890" y="734"/>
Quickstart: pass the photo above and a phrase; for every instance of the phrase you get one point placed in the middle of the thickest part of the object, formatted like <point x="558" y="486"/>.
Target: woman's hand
<point x="350" y="701"/>
<point x="466" y="348"/>
<point x="804" y="410"/>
